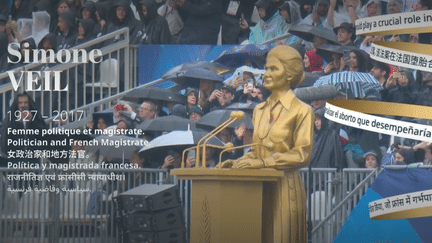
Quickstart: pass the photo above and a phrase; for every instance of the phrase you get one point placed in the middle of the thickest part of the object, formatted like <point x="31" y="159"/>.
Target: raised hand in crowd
<point x="248" y="89"/>
<point x="190" y="161"/>
<point x="343" y="63"/>
<point x="392" y="80"/>
<point x="368" y="40"/>
<point x="102" y="23"/>
<point x="315" y="17"/>
<point x="240" y="131"/>
<point x="11" y="27"/>
<point x="237" y="82"/>
<point x="180" y="2"/>
<point x="217" y="94"/>
<point x="173" y="4"/>
<point x="243" y="23"/>
<point x="122" y="107"/>
<point x="329" y="68"/>
<point x="168" y="162"/>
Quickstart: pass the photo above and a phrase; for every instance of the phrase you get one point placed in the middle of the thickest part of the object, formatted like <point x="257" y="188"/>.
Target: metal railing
<point x="39" y="206"/>
<point x="354" y="183"/>
<point x="81" y="210"/>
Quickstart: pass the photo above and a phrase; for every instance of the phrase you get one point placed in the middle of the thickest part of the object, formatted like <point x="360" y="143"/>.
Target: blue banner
<point x="390" y="182"/>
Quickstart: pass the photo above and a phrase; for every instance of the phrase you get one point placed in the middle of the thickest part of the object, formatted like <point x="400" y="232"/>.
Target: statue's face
<point x="275" y="75"/>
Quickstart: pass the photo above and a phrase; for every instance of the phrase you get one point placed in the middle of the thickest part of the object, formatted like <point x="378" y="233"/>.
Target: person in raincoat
<point x="327" y="148"/>
<point x="121" y="17"/>
<point x="290" y="12"/>
<point x="155" y="29"/>
<point x="270" y="26"/>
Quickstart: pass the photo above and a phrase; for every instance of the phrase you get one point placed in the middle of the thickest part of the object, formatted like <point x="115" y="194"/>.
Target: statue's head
<point x="284" y="67"/>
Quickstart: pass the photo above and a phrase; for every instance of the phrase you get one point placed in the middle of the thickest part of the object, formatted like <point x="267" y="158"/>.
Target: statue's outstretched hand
<point x="248" y="164"/>
<point x="227" y="163"/>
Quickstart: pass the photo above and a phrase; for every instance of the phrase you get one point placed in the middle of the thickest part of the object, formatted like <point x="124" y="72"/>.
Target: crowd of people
<point x="50" y="24"/>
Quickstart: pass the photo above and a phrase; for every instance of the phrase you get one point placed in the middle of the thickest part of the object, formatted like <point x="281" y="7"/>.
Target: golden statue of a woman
<point x="283" y="128"/>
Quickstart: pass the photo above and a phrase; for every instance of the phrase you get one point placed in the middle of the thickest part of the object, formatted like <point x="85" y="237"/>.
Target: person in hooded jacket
<point x="27" y="44"/>
<point x="155" y="29"/>
<point x="4" y="65"/>
<point x="85" y="31"/>
<point x="46" y="5"/>
<point x="62" y="6"/>
<point x="202" y="20"/>
<point x="270" y="26"/>
<point x="68" y="32"/>
<point x="88" y="11"/>
<point x="318" y="15"/>
<point x="22" y="104"/>
<point x="290" y="12"/>
<point x="399" y="88"/>
<point x="102" y="10"/>
<point x="121" y="17"/>
<point x="327" y="149"/>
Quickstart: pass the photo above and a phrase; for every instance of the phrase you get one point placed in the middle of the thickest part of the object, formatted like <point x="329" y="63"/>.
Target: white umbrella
<point x="178" y="140"/>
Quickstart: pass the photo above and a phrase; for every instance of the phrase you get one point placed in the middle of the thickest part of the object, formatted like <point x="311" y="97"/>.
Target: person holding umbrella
<point x="195" y="113"/>
<point x="191" y="97"/>
<point x="283" y="128"/>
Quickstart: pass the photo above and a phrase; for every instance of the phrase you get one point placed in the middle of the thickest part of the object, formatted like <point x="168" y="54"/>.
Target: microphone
<point x="225" y="147"/>
<point x="234" y="116"/>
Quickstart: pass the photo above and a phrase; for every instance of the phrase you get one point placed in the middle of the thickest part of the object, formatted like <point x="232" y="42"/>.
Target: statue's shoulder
<point x="301" y="106"/>
<point x="260" y="105"/>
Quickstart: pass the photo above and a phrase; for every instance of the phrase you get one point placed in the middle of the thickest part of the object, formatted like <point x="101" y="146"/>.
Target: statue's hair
<point x="292" y="62"/>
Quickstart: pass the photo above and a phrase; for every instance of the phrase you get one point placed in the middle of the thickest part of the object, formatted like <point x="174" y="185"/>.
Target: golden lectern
<point x="227" y="204"/>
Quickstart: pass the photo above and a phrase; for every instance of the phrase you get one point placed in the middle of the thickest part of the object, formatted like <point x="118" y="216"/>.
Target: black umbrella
<point x="241" y="55"/>
<point x="327" y="51"/>
<point x="307" y="32"/>
<point x="154" y="93"/>
<point x="310" y="78"/>
<point x="212" y="66"/>
<point x="217" y="117"/>
<point x="167" y="123"/>
<point x="184" y="76"/>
